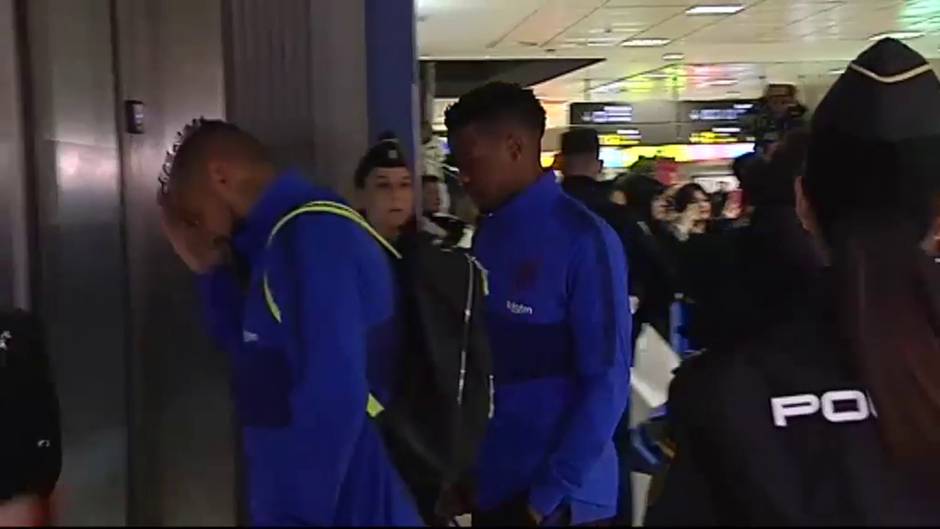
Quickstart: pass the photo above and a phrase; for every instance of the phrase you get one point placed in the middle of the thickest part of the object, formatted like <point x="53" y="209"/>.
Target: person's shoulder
<point x="787" y="354"/>
<point x="339" y="234"/>
<point x="581" y="221"/>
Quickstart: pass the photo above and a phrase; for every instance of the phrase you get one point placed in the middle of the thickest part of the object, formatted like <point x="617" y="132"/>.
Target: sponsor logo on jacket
<point x="519" y="308"/>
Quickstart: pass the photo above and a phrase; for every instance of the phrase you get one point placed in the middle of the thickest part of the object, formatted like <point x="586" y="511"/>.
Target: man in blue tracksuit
<point x="310" y="318"/>
<point x="558" y="317"/>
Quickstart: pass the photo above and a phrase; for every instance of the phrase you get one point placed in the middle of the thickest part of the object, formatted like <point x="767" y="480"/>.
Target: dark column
<point x="14" y="248"/>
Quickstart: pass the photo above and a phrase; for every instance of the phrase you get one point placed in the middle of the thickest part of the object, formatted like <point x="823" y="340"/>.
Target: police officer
<point x="558" y="319"/>
<point x="834" y="418"/>
<point x="384" y="188"/>
<point x="311" y="327"/>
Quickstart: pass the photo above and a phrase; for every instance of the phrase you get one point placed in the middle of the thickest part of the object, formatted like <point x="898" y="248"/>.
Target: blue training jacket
<point x="559" y="324"/>
<point x="313" y="456"/>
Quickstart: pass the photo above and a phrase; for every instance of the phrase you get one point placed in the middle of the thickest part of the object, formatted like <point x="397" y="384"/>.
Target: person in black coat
<point x="649" y="272"/>
<point x="833" y="417"/>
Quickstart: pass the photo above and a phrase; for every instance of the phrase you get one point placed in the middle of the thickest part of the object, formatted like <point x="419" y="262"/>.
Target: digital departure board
<point x="715" y="111"/>
<point x="600" y="113"/>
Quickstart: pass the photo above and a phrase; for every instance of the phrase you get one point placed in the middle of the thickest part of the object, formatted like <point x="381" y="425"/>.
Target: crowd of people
<point x="394" y="369"/>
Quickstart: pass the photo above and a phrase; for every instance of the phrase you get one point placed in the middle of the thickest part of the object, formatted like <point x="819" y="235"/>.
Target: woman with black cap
<point x="384" y="188"/>
<point x="834" y="419"/>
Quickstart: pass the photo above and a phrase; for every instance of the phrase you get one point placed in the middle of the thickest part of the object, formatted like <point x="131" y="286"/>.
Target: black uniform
<point x="739" y="462"/>
<point x="785" y="430"/>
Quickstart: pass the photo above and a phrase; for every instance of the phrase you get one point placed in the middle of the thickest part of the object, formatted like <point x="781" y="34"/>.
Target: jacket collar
<point x="288" y="191"/>
<point x="530" y="199"/>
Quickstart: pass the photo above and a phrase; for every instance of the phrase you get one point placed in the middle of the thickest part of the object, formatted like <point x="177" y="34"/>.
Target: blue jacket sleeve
<point x="599" y="315"/>
<point x="313" y="273"/>
<point x="223" y="307"/>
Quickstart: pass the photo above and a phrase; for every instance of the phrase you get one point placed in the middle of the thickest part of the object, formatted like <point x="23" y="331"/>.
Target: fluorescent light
<point x="673" y="56"/>
<point x="602" y="41"/>
<point x="900" y="35"/>
<point x="723" y="9"/>
<point x="726" y="130"/>
<point x="644" y="43"/>
<point x="658" y="75"/>
<point x="836" y="71"/>
<point x="628" y="132"/>
<point x="723" y="82"/>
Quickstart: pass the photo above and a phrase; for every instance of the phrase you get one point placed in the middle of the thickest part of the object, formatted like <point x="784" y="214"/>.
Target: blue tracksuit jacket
<point x="313" y="456"/>
<point x="559" y="323"/>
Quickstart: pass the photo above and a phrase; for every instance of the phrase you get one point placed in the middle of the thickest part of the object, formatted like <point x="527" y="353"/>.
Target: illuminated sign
<point x="716" y="135"/>
<point x="600" y="113"/>
<point x="717" y="110"/>
<point x="622" y="138"/>
<point x="615" y="158"/>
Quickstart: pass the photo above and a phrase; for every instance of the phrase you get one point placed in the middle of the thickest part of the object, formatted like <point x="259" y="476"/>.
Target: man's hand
<point x="199" y="253"/>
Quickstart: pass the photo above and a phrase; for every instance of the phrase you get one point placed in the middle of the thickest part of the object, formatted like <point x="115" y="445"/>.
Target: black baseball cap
<point x="386" y="153"/>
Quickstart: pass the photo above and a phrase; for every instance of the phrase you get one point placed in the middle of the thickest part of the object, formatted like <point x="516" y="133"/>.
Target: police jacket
<point x="312" y="333"/>
<point x="782" y="432"/>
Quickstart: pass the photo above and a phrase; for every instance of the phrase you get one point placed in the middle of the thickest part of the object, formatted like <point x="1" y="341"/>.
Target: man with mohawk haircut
<point x="308" y="309"/>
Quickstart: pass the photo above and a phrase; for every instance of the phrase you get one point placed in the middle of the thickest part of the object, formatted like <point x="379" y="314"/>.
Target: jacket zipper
<point x="467" y="311"/>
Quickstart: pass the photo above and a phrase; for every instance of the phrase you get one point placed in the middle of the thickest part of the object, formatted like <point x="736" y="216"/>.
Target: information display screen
<point x="715" y="111"/>
<point x="600" y="113"/>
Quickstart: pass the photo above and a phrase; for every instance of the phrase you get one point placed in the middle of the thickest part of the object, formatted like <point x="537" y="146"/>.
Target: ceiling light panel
<point x="900" y="35"/>
<point x="645" y="42"/>
<point x="720" y="9"/>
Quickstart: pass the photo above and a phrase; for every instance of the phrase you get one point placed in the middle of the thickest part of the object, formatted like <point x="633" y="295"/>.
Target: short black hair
<point x="386" y="153"/>
<point x="193" y="143"/>
<point x="495" y="101"/>
<point x="431" y="179"/>
<point x="580" y="141"/>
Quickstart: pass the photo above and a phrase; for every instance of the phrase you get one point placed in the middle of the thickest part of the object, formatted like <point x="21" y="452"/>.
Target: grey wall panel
<point x="182" y="458"/>
<point x="14" y="248"/>
<point x="81" y="296"/>
<point x="296" y="77"/>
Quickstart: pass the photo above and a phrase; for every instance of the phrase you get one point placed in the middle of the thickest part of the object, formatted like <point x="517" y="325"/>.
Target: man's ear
<point x="515" y="144"/>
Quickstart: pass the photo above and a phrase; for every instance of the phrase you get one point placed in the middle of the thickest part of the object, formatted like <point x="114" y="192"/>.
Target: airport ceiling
<point x="723" y="53"/>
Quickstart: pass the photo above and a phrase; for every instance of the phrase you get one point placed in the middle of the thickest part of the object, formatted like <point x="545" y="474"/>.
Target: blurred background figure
<point x="438" y="219"/>
<point x="694" y="211"/>
<point x="777" y="112"/>
<point x="434" y="196"/>
<point x="582" y="168"/>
